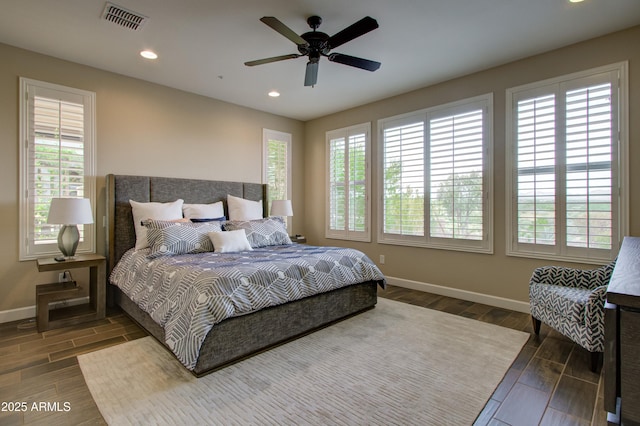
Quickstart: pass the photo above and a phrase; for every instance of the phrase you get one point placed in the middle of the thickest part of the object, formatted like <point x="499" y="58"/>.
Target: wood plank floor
<point x="548" y="384"/>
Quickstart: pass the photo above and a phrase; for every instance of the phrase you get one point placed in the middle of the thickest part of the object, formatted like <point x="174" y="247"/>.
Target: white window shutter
<point x="57" y="160"/>
<point x="567" y="135"/>
<point x="348" y="180"/>
<point x="536" y="159"/>
<point x="357" y="219"/>
<point x="337" y="185"/>
<point x="456" y="168"/>
<point x="436" y="177"/>
<point x="403" y="179"/>
<point x="588" y="153"/>
<point x="277" y="167"/>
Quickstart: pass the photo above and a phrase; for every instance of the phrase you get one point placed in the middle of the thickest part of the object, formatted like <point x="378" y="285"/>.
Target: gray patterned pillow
<point x="169" y="238"/>
<point x="270" y="231"/>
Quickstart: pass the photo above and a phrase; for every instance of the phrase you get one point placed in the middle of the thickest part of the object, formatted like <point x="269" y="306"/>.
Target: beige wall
<point x="497" y="274"/>
<point x="142" y="128"/>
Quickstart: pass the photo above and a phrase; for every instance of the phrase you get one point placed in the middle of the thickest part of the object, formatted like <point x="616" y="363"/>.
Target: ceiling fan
<point x="315" y="44"/>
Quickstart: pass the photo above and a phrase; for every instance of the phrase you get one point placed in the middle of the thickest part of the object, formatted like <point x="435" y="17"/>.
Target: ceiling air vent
<point x="123" y="17"/>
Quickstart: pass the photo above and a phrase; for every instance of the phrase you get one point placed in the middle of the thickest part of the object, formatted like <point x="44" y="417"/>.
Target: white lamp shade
<point x="70" y="211"/>
<point x="281" y="208"/>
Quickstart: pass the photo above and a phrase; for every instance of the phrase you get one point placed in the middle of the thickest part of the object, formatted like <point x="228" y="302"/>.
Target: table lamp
<point x="281" y="208"/>
<point x="69" y="212"/>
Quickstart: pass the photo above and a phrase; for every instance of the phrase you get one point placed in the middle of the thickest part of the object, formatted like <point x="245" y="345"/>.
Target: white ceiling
<point x="203" y="44"/>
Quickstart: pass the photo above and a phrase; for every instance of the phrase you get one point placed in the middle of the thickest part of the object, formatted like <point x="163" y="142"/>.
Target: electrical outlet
<point x="382" y="259"/>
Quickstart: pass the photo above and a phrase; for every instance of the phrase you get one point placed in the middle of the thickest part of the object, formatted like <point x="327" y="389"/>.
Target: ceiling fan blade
<point x="311" y="75"/>
<point x="273" y="59"/>
<point x="364" y="64"/>
<point x="361" y="27"/>
<point x="277" y="25"/>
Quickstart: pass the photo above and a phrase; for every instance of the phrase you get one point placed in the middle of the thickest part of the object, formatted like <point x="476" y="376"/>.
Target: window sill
<point x="469" y="249"/>
<point x="560" y="258"/>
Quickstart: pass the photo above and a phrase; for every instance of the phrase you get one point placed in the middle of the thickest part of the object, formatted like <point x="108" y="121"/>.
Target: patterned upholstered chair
<point x="571" y="301"/>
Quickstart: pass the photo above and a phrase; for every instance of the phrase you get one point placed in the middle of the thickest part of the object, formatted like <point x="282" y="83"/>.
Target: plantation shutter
<point x="57" y="161"/>
<point x="277" y="170"/>
<point x="348" y="183"/>
<point x="436" y="186"/>
<point x="357" y="183"/>
<point x="337" y="184"/>
<point x="589" y="207"/>
<point x="455" y="173"/>
<point x="568" y="202"/>
<point x="403" y="178"/>
<point x="536" y="159"/>
<point x="57" y="166"/>
<point x="277" y="167"/>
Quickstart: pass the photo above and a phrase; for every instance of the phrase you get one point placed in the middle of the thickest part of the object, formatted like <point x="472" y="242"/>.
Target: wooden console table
<point x="622" y="337"/>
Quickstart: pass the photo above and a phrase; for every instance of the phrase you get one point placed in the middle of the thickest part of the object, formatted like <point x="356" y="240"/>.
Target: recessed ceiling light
<point x="274" y="93"/>
<point x="148" y="54"/>
<point x="576" y="1"/>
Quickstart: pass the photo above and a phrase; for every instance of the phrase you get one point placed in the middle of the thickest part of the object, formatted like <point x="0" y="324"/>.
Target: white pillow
<point x="203" y="211"/>
<point x="230" y="241"/>
<point x="153" y="210"/>
<point x="241" y="209"/>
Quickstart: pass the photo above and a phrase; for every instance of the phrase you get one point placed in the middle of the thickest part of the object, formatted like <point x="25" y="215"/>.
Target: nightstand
<point x="47" y="293"/>
<point x="298" y="239"/>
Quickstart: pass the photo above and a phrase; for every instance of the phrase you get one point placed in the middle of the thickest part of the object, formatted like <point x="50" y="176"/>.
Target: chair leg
<point x="596" y="359"/>
<point x="536" y="325"/>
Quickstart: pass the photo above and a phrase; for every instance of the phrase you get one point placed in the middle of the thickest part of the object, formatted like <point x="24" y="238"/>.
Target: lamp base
<point x="68" y="239"/>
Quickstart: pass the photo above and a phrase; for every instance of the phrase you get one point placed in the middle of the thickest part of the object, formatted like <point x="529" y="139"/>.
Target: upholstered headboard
<point x="121" y="188"/>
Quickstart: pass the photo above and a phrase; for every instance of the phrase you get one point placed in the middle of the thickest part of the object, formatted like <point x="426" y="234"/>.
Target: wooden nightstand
<point x="47" y="293"/>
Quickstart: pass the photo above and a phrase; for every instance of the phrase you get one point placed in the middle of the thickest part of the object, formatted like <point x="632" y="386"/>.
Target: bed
<point x="236" y="337"/>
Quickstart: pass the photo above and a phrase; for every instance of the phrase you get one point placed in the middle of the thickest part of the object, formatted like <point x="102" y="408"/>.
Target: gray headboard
<point x="121" y="188"/>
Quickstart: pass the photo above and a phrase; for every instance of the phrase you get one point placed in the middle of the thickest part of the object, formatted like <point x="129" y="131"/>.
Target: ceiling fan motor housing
<point x="317" y="41"/>
<point x="317" y="44"/>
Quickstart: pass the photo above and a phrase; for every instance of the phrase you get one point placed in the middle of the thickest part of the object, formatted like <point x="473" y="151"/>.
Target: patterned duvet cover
<point x="188" y="294"/>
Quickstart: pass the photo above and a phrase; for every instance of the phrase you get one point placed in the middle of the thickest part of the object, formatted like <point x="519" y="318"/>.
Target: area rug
<point x="395" y="364"/>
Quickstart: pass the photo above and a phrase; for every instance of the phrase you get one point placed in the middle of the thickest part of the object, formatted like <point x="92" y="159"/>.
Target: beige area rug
<point x="395" y="364"/>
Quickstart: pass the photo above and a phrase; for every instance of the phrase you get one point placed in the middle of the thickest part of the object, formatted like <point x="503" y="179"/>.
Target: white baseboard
<point x="471" y="296"/>
<point x="30" y="311"/>
<point x="17" y="314"/>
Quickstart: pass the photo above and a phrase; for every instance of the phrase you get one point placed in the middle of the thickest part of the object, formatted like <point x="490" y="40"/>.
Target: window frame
<point x="346" y="133"/>
<point x="485" y="245"/>
<point x="28" y="250"/>
<point x="560" y="86"/>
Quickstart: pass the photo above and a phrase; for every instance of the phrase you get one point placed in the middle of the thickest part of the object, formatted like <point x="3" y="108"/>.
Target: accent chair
<point x="571" y="301"/>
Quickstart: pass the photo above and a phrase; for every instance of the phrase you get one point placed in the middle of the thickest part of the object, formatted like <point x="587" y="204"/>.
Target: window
<point x="57" y="146"/>
<point x="277" y="165"/>
<point x="565" y="169"/>
<point x="436" y="177"/>
<point x="348" y="178"/>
